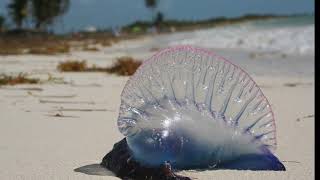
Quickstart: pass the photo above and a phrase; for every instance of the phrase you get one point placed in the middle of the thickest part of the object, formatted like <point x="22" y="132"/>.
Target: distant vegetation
<point x="34" y="42"/>
<point x="42" y="12"/>
<point x="45" y="12"/>
<point x="151" y="4"/>
<point x="18" y="10"/>
<point x="47" y="45"/>
<point x="167" y="25"/>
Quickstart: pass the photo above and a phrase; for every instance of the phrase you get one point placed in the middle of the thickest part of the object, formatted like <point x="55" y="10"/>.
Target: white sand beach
<point x="48" y="130"/>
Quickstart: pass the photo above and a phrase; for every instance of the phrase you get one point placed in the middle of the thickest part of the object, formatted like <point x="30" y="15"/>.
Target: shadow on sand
<point x="94" y="169"/>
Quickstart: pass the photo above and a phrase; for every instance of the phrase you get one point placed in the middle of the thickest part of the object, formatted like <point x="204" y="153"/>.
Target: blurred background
<point x="77" y="15"/>
<point x="291" y="20"/>
<point x="290" y="23"/>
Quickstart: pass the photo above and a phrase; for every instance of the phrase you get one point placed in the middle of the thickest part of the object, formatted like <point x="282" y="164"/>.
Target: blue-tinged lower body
<point x="184" y="152"/>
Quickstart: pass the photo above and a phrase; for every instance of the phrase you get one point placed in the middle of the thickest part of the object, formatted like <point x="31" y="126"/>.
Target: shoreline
<point x="29" y="41"/>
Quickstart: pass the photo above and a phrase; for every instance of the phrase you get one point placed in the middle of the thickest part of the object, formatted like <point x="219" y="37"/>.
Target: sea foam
<point x="288" y="39"/>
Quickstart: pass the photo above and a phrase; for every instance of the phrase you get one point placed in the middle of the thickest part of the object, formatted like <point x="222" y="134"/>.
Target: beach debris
<point x="297" y="162"/>
<point x="291" y="84"/>
<point x="193" y="108"/>
<point x="23" y="89"/>
<point x="38" y="45"/>
<point x="55" y="80"/>
<point x="306" y="117"/>
<point x="16" y="96"/>
<point x="66" y="102"/>
<point x="72" y="66"/>
<point x="124" y="66"/>
<point x="309" y="116"/>
<point x="21" y="78"/>
<point x="24" y="78"/>
<point x="61" y="115"/>
<point x="52" y="96"/>
<point x="50" y="49"/>
<point x="256" y="55"/>
<point x="294" y="84"/>
<point x="32" y="89"/>
<point x="85" y="85"/>
<point x="84" y="109"/>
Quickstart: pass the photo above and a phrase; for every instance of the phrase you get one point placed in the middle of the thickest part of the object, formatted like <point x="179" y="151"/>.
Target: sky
<point x="111" y="13"/>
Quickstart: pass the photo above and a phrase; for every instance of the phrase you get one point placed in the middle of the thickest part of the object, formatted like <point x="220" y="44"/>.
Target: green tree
<point x="45" y="12"/>
<point x="18" y="10"/>
<point x="157" y="17"/>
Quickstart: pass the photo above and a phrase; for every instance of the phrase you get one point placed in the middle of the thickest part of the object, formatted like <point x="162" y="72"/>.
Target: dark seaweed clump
<point x="19" y="79"/>
<point x="124" y="66"/>
<point x="120" y="162"/>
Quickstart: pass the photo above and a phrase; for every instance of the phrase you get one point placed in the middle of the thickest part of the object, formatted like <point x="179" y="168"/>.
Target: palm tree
<point x="18" y="10"/>
<point x="45" y="12"/>
<point x="2" y="21"/>
<point x="152" y="4"/>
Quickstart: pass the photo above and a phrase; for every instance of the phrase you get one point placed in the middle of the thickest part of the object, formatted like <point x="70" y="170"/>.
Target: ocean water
<point x="293" y="35"/>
